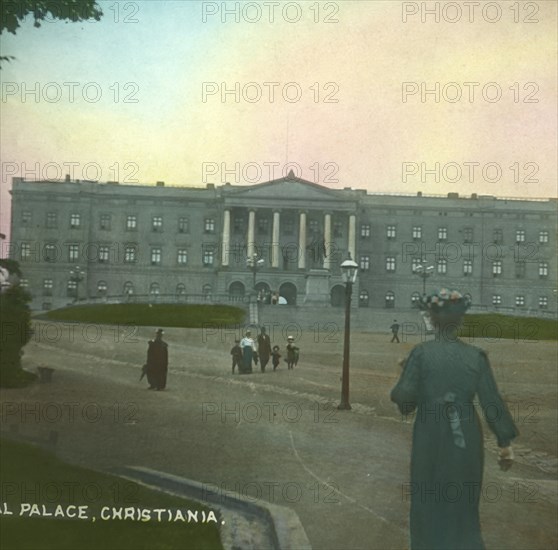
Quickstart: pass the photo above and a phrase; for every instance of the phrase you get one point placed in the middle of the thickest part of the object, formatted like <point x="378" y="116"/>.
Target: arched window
<point x="390" y="299"/>
<point x="181" y="289"/>
<point x="128" y="288"/>
<point x="415" y="299"/>
<point x="102" y="287"/>
<point x="206" y="291"/>
<point x="154" y="289"/>
<point x="363" y="298"/>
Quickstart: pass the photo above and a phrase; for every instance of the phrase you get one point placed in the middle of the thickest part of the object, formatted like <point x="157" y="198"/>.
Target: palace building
<point x="84" y="240"/>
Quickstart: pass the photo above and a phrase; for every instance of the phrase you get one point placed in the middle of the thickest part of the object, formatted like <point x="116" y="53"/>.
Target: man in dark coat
<point x="395" y="331"/>
<point x="157" y="362"/>
<point x="264" y="348"/>
<point x="439" y="380"/>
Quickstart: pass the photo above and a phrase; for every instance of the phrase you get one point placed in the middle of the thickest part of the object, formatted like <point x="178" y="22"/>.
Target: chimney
<point x="419" y="193"/>
<point x="453" y="195"/>
<point x="160" y="184"/>
<point x="210" y="186"/>
<point x="67" y="178"/>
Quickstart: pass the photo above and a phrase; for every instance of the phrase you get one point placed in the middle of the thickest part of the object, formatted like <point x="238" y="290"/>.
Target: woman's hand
<point x="505" y="458"/>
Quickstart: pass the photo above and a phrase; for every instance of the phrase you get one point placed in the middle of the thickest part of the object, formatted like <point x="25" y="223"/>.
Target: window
<point x="157" y="224"/>
<point x="442" y="233"/>
<point x="104" y="222"/>
<point x="263" y="225"/>
<point x="289" y="227"/>
<point x="50" y="253"/>
<point x="155" y="256"/>
<point x="520" y="236"/>
<point x="130" y="254"/>
<point x="543" y="302"/>
<point x="73" y="253"/>
<point x="182" y="257"/>
<point x="415" y="299"/>
<point x="154" y="289"/>
<point x="71" y="289"/>
<point x="364" y="263"/>
<point x="390" y="232"/>
<point x="543" y="270"/>
<point x="23" y="283"/>
<point x="417" y="232"/>
<point x="181" y="289"/>
<point x="102" y="287"/>
<point x="48" y="285"/>
<point x="313" y="226"/>
<point x="26" y="217"/>
<point x="390" y="299"/>
<point x="75" y="221"/>
<point x="467" y="267"/>
<point x="498" y="236"/>
<point x="496" y="300"/>
<point x="363" y="298"/>
<point x="131" y="223"/>
<point x="520" y="300"/>
<point x="209" y="225"/>
<point x="103" y="254"/>
<point x="25" y="251"/>
<point x="206" y="291"/>
<point x="338" y="230"/>
<point x="415" y="264"/>
<point x="543" y="237"/>
<point x="390" y="263"/>
<point x="468" y="234"/>
<point x="496" y="268"/>
<point x="183" y="225"/>
<point x="52" y="220"/>
<point x="128" y="288"/>
<point x="520" y="270"/>
<point x="208" y="258"/>
<point x="365" y="231"/>
<point x="442" y="266"/>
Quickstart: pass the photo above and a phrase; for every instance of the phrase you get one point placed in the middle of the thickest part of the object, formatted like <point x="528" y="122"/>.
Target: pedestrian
<point x="236" y="353"/>
<point x="157" y="362"/>
<point x="264" y="348"/>
<point x="275" y="357"/>
<point x="440" y="379"/>
<point x="395" y="331"/>
<point x="292" y="353"/>
<point x="248" y="348"/>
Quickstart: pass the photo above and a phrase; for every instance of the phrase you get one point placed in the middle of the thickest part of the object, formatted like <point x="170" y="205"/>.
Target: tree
<point x="12" y="12"/>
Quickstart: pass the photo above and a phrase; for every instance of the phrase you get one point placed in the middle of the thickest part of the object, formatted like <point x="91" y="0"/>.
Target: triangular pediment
<point x="289" y="187"/>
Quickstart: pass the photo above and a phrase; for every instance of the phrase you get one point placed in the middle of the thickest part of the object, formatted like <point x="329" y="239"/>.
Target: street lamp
<point x="349" y="270"/>
<point x="77" y="275"/>
<point x="424" y="271"/>
<point x="253" y="263"/>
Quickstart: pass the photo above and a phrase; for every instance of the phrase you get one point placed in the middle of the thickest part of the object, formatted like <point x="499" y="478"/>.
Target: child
<point x="292" y="353"/>
<point x="236" y="353"/>
<point x="275" y="357"/>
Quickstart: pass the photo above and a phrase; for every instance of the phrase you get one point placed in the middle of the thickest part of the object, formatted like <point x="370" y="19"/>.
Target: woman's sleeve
<point x="406" y="391"/>
<point x="495" y="411"/>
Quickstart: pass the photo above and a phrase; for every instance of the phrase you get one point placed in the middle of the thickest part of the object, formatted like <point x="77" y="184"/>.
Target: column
<point x="327" y="241"/>
<point x="250" y="245"/>
<point x="275" y="239"/>
<point x="226" y="240"/>
<point x="302" y="242"/>
<point x="352" y="236"/>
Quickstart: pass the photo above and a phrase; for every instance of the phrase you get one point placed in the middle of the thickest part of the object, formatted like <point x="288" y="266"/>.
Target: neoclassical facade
<point x="107" y="241"/>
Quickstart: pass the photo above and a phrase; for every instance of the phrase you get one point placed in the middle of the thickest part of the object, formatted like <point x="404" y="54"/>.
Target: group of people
<point x="245" y="353"/>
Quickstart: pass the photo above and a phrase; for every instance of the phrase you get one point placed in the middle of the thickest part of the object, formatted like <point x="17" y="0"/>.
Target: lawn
<point x="32" y="475"/>
<point x="164" y="315"/>
<point x="522" y="329"/>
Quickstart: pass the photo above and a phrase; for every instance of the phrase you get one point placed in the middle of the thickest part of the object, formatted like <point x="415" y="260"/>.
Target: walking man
<point x="157" y="362"/>
<point x="395" y="331"/>
<point x="264" y="348"/>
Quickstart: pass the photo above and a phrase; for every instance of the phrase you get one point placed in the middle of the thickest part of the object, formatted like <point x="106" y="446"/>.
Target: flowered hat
<point x="445" y="301"/>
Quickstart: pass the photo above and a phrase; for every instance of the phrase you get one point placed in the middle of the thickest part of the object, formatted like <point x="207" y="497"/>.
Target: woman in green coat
<point x="440" y="379"/>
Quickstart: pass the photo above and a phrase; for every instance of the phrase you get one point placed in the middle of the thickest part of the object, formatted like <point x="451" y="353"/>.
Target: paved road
<point x="274" y="436"/>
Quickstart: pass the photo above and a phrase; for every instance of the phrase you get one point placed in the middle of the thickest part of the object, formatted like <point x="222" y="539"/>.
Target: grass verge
<point x="523" y="329"/>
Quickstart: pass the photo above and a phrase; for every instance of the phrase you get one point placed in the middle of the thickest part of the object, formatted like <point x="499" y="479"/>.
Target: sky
<point x="375" y="95"/>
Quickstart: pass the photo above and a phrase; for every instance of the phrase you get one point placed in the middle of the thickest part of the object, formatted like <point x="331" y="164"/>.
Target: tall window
<point x="496" y="268"/>
<point x="154" y="289"/>
<point x="498" y="236"/>
<point x="25" y="251"/>
<point x="442" y="266"/>
<point x="543" y="270"/>
<point x="468" y="234"/>
<point x="181" y="289"/>
<point x="415" y="264"/>
<point x="209" y="225"/>
<point x="390" y="299"/>
<point x="50" y="253"/>
<point x="208" y="258"/>
<point x="156" y="256"/>
<point x="520" y="236"/>
<point x="415" y="299"/>
<point x="130" y="254"/>
<point x="417" y="232"/>
<point x="390" y="232"/>
<point x="102" y="287"/>
<point x="75" y="221"/>
<point x="26" y="218"/>
<point x="182" y="256"/>
<point x="313" y="226"/>
<point x="128" y="288"/>
<point x="520" y="300"/>
<point x="363" y="298"/>
<point x="131" y="223"/>
<point x="365" y="231"/>
<point x="183" y="225"/>
<point x="157" y="224"/>
<point x="48" y="285"/>
<point x="73" y="253"/>
<point x="442" y="233"/>
<point x="543" y="237"/>
<point x="543" y="302"/>
<point x="364" y="263"/>
<point x="52" y="220"/>
<point x="71" y="288"/>
<point x="390" y="263"/>
<point x="263" y="225"/>
<point x="496" y="299"/>
<point x="104" y="222"/>
<point x="467" y="267"/>
<point x="103" y="254"/>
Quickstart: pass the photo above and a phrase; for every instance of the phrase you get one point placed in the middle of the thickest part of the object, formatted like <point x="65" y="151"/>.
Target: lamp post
<point x="424" y="271"/>
<point x="254" y="264"/>
<point x="77" y="275"/>
<point x="349" y="269"/>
